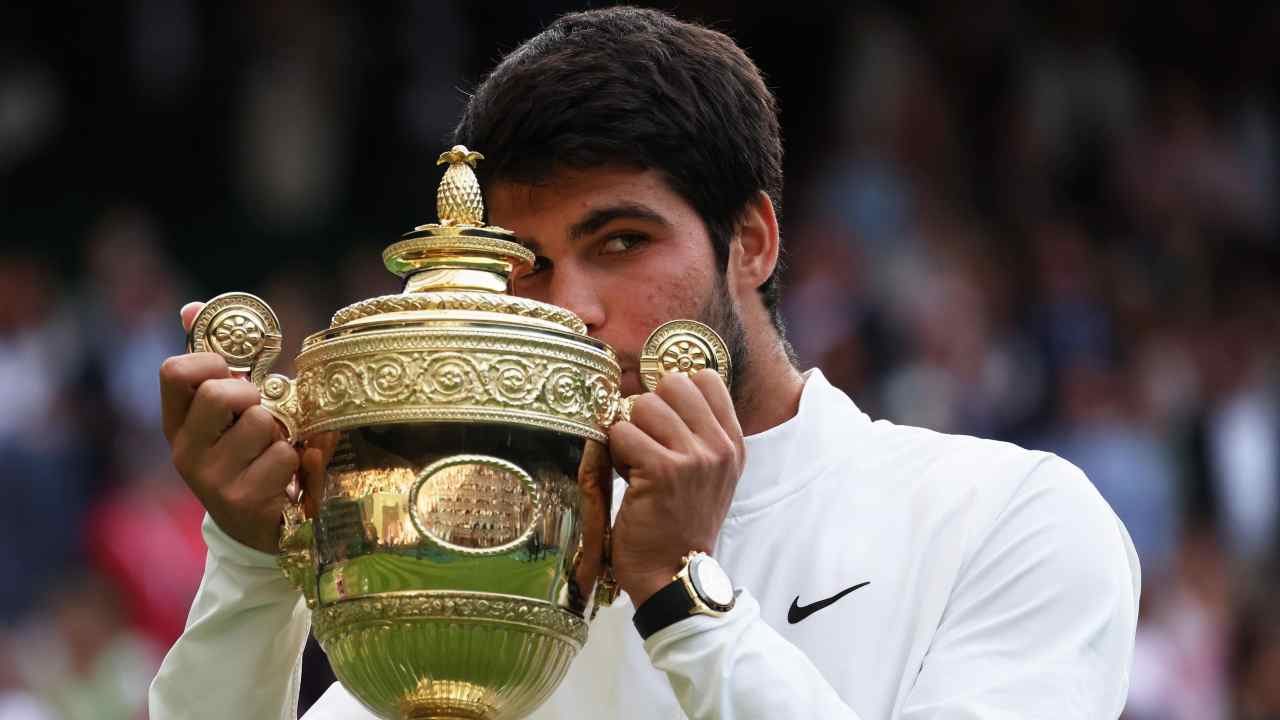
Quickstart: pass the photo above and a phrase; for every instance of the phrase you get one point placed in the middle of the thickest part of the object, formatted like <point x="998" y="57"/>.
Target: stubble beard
<point x="721" y="314"/>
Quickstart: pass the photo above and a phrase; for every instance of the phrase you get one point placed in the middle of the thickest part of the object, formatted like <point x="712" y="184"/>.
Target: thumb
<point x="188" y="314"/>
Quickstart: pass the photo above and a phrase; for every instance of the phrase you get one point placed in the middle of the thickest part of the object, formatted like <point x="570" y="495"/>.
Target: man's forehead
<point x="573" y="185"/>
<point x="571" y="202"/>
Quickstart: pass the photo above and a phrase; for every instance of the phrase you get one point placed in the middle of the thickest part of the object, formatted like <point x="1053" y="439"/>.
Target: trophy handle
<point x="296" y="559"/>
<point x="245" y="331"/>
<point x="683" y="346"/>
<point x="678" y="346"/>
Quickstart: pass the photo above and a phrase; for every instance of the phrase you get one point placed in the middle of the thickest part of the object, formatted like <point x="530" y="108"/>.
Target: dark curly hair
<point x="635" y="87"/>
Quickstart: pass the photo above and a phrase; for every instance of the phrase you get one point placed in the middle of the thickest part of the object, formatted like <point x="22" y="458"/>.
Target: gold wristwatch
<point x="700" y="588"/>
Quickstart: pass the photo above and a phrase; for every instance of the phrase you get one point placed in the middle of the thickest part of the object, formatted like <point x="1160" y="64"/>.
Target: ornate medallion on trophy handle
<point x="242" y="329"/>
<point x="474" y="504"/>
<point x="245" y="331"/>
<point x="683" y="346"/>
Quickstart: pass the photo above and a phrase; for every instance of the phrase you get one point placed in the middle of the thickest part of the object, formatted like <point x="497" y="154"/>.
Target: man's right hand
<point x="227" y="447"/>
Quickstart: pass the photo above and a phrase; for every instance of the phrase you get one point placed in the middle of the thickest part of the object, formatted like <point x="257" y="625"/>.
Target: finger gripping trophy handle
<point x="678" y="346"/>
<point x="245" y="331"/>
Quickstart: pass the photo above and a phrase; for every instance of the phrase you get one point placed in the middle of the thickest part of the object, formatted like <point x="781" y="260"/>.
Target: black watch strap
<point x="666" y="607"/>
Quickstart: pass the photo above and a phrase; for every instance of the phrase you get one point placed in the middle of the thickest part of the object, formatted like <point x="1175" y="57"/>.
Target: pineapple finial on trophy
<point x="458" y="199"/>
<point x="460" y="252"/>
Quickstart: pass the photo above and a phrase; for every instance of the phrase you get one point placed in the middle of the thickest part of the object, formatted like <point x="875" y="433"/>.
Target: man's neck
<point x="771" y="385"/>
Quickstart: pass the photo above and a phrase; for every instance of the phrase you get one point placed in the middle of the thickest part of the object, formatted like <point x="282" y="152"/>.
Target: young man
<point x="885" y="571"/>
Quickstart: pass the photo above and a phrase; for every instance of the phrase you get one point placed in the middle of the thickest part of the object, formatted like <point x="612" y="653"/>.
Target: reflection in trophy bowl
<point x="450" y="579"/>
<point x="453" y="571"/>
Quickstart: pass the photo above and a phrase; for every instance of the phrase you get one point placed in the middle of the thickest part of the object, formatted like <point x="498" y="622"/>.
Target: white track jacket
<point x="998" y="586"/>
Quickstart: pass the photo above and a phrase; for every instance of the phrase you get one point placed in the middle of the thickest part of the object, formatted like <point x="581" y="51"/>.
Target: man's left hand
<point x="682" y="454"/>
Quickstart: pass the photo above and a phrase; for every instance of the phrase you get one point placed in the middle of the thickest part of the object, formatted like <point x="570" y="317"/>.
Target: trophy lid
<point x="458" y="263"/>
<point x="455" y="345"/>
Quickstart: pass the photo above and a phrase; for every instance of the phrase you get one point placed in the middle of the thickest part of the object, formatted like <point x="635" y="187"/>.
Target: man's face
<point x="621" y="249"/>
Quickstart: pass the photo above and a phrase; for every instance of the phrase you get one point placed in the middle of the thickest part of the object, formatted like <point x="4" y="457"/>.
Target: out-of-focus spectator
<point x="16" y="700"/>
<point x="145" y="537"/>
<point x="128" y="318"/>
<point x="1124" y="460"/>
<point x="1180" y="666"/>
<point x="40" y="453"/>
<point x="1256" y="657"/>
<point x="1245" y="451"/>
<point x="82" y="658"/>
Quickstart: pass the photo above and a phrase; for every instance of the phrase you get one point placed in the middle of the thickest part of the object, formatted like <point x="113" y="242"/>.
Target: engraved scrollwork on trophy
<point x="307" y="395"/>
<point x="603" y="400"/>
<point x="389" y="378"/>
<point x="332" y="622"/>
<point x="564" y="390"/>
<point x="531" y="383"/>
<point x="340" y="386"/>
<point x="514" y="381"/>
<point x="507" y="304"/>
<point x="451" y="378"/>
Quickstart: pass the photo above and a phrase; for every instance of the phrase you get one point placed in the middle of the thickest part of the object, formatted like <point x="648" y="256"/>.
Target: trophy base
<point x="448" y="700"/>
<point x="440" y="655"/>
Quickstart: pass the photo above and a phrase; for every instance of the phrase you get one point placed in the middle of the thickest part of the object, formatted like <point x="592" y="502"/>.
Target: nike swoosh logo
<point x="798" y="613"/>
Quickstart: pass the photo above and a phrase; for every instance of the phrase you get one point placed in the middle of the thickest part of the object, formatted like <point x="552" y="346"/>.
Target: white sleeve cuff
<point x="670" y="637"/>
<point x="229" y="550"/>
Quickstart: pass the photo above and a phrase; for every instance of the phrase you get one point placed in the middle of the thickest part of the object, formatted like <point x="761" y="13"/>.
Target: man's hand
<point x="226" y="446"/>
<point x="682" y="454"/>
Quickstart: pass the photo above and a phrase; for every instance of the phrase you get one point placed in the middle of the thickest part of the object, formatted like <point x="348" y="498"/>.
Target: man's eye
<point x="620" y="243"/>
<point x="540" y="263"/>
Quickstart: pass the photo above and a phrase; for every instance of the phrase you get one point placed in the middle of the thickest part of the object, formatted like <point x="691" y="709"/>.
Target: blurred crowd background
<point x="1055" y="226"/>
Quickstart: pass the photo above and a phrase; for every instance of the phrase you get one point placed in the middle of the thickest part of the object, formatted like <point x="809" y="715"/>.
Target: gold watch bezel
<point x="701" y="606"/>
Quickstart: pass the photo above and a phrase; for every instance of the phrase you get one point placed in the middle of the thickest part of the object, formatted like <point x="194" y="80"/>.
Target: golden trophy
<point x="455" y="544"/>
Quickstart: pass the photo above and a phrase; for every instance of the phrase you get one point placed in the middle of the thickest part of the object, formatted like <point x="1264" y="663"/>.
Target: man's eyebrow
<point x="600" y="217"/>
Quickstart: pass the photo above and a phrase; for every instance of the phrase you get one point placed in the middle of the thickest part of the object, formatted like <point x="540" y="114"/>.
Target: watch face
<point x="710" y="581"/>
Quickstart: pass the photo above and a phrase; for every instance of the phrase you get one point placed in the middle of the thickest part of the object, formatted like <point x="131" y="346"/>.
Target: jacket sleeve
<point x="241" y="652"/>
<point x="1040" y="624"/>
<point x="737" y="667"/>
<point x="1041" y="621"/>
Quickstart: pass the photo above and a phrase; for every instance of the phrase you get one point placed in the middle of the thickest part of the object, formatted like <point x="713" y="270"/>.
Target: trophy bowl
<point x="452" y="538"/>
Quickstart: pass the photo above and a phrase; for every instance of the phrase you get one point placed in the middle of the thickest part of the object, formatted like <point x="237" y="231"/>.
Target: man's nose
<point x="575" y="292"/>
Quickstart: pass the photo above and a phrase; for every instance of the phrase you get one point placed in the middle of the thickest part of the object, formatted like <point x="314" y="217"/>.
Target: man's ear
<point x="753" y="254"/>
